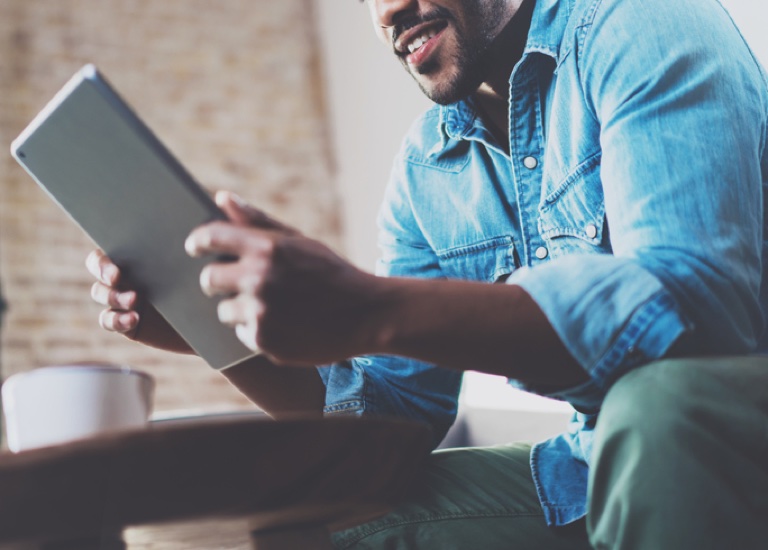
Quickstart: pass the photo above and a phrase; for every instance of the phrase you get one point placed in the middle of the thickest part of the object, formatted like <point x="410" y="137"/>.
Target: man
<point x="605" y="159"/>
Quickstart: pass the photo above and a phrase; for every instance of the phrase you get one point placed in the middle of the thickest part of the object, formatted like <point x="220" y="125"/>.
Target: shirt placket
<point x="526" y="153"/>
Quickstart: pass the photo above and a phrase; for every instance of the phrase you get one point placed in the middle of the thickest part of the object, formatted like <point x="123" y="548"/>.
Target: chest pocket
<point x="483" y="261"/>
<point x="572" y="215"/>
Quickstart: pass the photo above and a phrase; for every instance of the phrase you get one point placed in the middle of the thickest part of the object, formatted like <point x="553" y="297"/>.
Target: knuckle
<point x="113" y="298"/>
<point x="270" y="248"/>
<point x="250" y="284"/>
<point x="215" y="233"/>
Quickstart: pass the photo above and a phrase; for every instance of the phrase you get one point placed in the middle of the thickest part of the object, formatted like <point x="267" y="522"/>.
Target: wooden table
<point x="282" y="480"/>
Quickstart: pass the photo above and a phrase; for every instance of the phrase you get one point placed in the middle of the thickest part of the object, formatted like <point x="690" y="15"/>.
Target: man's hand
<point x="294" y="299"/>
<point x="286" y="295"/>
<point x="126" y="313"/>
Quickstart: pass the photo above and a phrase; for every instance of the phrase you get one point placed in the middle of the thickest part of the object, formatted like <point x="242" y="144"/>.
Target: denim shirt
<point x="630" y="207"/>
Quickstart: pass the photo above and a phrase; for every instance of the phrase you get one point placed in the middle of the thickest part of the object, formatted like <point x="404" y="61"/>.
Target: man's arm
<point x="301" y="304"/>
<point x="497" y="329"/>
<point x="279" y="391"/>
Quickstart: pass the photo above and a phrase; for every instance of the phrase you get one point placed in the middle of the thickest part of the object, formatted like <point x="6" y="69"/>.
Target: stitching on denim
<point x="563" y="231"/>
<point x="537" y="483"/>
<point x="458" y="251"/>
<point x="449" y="168"/>
<point x="582" y="29"/>
<point x="610" y="366"/>
<point x="364" y="397"/>
<point x="535" y="474"/>
<point x="587" y="165"/>
<point x="590" y="14"/>
<point x="345" y="406"/>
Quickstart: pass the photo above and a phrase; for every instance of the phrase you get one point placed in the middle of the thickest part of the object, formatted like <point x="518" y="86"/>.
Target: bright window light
<point x="484" y="391"/>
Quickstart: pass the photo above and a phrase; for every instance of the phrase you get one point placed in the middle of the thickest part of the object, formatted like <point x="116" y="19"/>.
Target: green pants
<point x="680" y="462"/>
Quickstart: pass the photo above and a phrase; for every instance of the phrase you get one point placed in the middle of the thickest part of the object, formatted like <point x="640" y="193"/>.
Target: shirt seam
<point x="609" y="367"/>
<point x="344" y="406"/>
<point x="465" y="250"/>
<point x="540" y="488"/>
<point x="585" y="166"/>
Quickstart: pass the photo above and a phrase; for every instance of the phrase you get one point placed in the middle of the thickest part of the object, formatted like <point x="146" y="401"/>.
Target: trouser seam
<point x="441" y="517"/>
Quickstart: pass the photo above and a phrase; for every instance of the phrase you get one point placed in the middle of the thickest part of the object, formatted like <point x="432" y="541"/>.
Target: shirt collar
<point x="548" y="25"/>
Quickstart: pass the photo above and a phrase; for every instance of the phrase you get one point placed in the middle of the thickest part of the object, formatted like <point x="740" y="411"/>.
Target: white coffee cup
<point x="57" y="404"/>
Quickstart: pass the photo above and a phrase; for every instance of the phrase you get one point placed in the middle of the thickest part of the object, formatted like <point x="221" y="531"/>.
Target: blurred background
<point x="293" y="104"/>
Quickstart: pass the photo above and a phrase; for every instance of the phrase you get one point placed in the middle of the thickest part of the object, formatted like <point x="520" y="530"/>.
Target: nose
<point x="385" y="12"/>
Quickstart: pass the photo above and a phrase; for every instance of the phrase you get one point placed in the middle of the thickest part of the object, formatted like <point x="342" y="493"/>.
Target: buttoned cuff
<point x="611" y="314"/>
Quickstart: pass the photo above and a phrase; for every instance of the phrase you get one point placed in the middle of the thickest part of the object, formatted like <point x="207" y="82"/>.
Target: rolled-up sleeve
<point x="682" y="130"/>
<point x="389" y="385"/>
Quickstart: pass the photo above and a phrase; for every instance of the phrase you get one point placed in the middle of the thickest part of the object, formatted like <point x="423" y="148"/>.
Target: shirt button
<point x="530" y="162"/>
<point x="542" y="252"/>
<point x="591" y="231"/>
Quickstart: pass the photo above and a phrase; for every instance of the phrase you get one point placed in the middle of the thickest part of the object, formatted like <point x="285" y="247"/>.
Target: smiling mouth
<point x="415" y="39"/>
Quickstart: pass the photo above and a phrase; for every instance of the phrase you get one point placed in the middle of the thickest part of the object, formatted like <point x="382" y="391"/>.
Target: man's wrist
<point x="377" y="331"/>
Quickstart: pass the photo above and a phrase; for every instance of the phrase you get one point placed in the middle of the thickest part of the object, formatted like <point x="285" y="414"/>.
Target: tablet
<point x="93" y="156"/>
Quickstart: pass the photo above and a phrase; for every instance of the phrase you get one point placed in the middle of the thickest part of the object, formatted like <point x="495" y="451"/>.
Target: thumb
<point x="242" y="213"/>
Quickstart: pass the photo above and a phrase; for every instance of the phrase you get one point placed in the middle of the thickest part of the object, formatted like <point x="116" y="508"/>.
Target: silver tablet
<point x="109" y="172"/>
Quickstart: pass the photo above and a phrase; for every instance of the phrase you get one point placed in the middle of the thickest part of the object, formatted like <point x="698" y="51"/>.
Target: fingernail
<point x="225" y="312"/>
<point x="205" y="279"/>
<point x="221" y="197"/>
<point x="190" y="246"/>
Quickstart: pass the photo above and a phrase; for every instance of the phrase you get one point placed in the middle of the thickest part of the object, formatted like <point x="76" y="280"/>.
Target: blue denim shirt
<point x="630" y="207"/>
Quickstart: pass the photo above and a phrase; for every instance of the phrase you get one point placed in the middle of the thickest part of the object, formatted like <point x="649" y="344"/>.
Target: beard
<point x="473" y="39"/>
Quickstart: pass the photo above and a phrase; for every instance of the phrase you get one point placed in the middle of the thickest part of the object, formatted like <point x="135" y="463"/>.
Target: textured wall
<point x="233" y="89"/>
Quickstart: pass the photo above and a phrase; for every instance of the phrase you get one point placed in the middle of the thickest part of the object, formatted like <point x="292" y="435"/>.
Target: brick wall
<point x="232" y="87"/>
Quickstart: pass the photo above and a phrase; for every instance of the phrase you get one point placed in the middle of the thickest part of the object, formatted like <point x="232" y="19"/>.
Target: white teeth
<point x="415" y="45"/>
<point x="419" y="41"/>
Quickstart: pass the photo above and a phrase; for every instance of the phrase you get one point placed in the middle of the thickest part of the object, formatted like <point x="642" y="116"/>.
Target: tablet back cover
<point x="115" y="179"/>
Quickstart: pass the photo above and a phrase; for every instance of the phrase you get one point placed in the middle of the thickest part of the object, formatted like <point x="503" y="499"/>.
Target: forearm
<point x="497" y="329"/>
<point x="279" y="391"/>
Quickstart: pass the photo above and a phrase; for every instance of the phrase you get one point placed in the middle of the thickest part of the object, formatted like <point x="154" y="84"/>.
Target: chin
<point x="444" y="87"/>
<point x="446" y="93"/>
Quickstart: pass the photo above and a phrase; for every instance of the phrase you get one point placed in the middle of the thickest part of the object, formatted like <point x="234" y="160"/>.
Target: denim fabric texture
<point x="630" y="207"/>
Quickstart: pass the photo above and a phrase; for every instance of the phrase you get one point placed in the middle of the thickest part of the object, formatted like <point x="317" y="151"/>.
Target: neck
<point x="507" y="49"/>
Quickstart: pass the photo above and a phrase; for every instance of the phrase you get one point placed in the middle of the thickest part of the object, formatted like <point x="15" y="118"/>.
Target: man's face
<point x="442" y="43"/>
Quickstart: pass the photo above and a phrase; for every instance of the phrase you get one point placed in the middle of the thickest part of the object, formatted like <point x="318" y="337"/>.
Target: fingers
<point x="242" y="313"/>
<point x="234" y="207"/>
<point x="120" y="315"/>
<point x="230" y="278"/>
<point x="243" y="213"/>
<point x="113" y="298"/>
<point x="123" y="322"/>
<point x="227" y="238"/>
<point x="100" y="266"/>
<point x="240" y="310"/>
